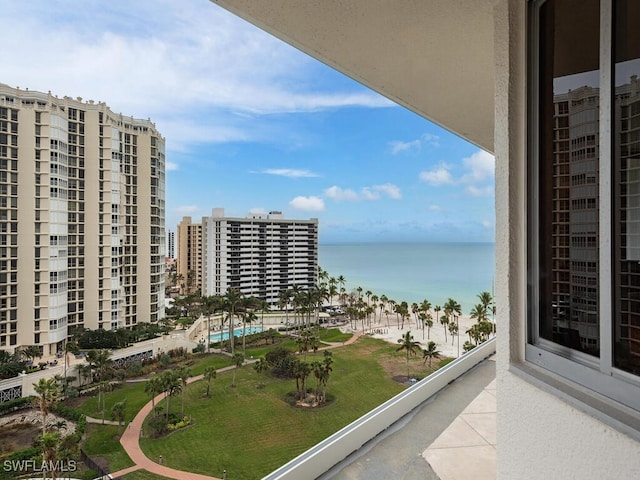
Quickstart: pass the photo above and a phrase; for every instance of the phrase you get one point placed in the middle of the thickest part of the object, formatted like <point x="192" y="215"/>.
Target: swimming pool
<point x="217" y="337"/>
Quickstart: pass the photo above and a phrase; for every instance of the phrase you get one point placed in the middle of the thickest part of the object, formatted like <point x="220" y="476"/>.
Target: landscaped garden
<point x="251" y="431"/>
<point x="248" y="420"/>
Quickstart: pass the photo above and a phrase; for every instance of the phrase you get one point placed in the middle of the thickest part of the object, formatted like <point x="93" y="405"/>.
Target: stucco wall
<point x="539" y="434"/>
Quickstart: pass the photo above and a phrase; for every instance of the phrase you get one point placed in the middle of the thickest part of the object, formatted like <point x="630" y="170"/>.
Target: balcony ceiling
<point x="434" y="57"/>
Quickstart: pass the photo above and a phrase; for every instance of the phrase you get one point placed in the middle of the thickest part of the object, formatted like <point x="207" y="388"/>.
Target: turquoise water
<point x="217" y="337"/>
<point x="414" y="271"/>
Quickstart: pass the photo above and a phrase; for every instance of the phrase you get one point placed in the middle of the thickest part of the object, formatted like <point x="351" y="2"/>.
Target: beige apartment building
<point x="259" y="255"/>
<point x="188" y="260"/>
<point x="82" y="211"/>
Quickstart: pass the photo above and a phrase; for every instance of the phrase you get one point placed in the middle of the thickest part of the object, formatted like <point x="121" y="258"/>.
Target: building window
<point x="584" y="191"/>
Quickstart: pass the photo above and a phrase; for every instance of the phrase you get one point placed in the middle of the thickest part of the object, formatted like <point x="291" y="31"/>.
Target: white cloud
<point x="439" y="176"/>
<point x="170" y="166"/>
<point x="477" y="178"/>
<point x="486" y="191"/>
<point x="435" y="208"/>
<point x="480" y="167"/>
<point x="374" y="192"/>
<point x="312" y="203"/>
<point x="290" y="172"/>
<point x="389" y="189"/>
<point x="338" y="194"/>
<point x="487" y="224"/>
<point x="188" y="58"/>
<point x="398" y="146"/>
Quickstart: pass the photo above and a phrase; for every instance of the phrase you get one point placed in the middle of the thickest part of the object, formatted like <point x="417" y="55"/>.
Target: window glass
<point x="626" y="157"/>
<point x="567" y="175"/>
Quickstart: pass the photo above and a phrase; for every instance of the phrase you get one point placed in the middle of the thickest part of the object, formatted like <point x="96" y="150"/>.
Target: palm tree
<point x="209" y="374"/>
<point x="171" y="385"/>
<point x="284" y="297"/>
<point x="326" y="362"/>
<point x="210" y="304"/>
<point x="247" y="317"/>
<point x="103" y="387"/>
<point x="479" y="312"/>
<point x="100" y="363"/>
<point x="118" y="411"/>
<point x="430" y="352"/>
<point x="84" y="372"/>
<point x="415" y="309"/>
<point x="183" y="374"/>
<point x="410" y="346"/>
<point x="453" y="330"/>
<point x="261" y="366"/>
<point x="48" y="391"/>
<point x="437" y="309"/>
<point x="300" y="371"/>
<point x="425" y="306"/>
<point x="70" y="347"/>
<point x="238" y="360"/>
<point x="233" y="299"/>
<point x="153" y="387"/>
<point x="50" y="443"/>
<point x="444" y="321"/>
<point x="264" y="307"/>
<point x="486" y="300"/>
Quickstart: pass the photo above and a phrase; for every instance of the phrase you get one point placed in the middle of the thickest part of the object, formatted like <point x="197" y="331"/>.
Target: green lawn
<point x="143" y="475"/>
<point x="132" y="392"/>
<point x="333" y="335"/>
<point x="103" y="441"/>
<point x="250" y="432"/>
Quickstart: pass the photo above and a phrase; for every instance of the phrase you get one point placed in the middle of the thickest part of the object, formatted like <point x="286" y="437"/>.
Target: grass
<point x="133" y="393"/>
<point x="103" y="441"/>
<point x="250" y="432"/>
<point x="143" y="475"/>
<point x="333" y="335"/>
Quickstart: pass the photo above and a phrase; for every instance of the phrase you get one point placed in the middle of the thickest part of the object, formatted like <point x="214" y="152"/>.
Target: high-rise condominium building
<point x="189" y="257"/>
<point x="259" y="255"/>
<point x="82" y="203"/>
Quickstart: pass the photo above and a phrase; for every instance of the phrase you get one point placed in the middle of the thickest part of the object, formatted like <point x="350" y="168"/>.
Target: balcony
<point x="442" y="428"/>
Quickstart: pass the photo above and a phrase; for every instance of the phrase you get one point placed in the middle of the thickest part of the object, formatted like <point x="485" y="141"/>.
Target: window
<point x="584" y="193"/>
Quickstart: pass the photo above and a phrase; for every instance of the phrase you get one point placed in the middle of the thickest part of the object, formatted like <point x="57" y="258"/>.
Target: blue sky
<point x="251" y="124"/>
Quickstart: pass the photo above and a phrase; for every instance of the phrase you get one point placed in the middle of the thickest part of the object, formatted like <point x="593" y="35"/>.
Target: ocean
<point x="413" y="272"/>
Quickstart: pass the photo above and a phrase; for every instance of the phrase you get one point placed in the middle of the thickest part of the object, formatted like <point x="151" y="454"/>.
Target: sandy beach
<point x="392" y="333"/>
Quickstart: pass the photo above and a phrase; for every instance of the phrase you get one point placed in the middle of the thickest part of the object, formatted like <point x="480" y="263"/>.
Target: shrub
<point x="134" y="369"/>
<point x="276" y="356"/>
<point x="71" y="392"/>
<point x="26" y="454"/>
<point x="16" y="404"/>
<point x="179" y="424"/>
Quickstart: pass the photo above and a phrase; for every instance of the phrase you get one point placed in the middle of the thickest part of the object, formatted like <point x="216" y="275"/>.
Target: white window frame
<point x="587" y="376"/>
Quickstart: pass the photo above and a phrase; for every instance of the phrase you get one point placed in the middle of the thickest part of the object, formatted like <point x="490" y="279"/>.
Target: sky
<point x="252" y="124"/>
